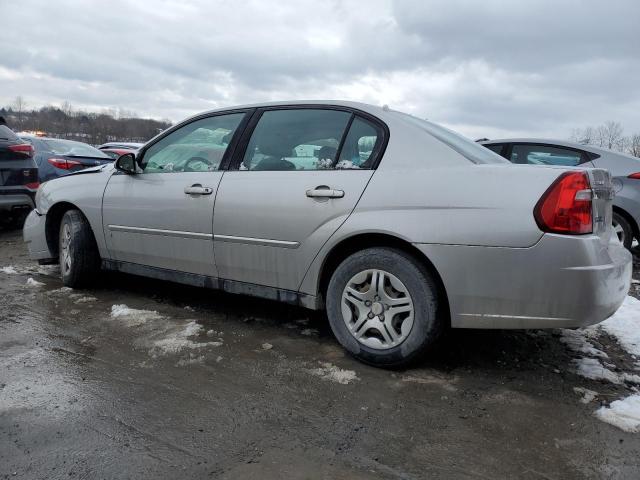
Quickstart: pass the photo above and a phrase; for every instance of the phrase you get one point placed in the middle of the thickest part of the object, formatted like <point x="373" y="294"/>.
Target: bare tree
<point x="585" y="136"/>
<point x="634" y="145"/>
<point x="609" y="135"/>
<point x="19" y="106"/>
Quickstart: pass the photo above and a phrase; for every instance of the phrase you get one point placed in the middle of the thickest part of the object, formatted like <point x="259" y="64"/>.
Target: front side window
<point x="296" y="139"/>
<point x="196" y="147"/>
<point x="545" y="155"/>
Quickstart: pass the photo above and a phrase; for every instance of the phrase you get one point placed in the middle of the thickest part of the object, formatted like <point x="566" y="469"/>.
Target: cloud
<point x="484" y="68"/>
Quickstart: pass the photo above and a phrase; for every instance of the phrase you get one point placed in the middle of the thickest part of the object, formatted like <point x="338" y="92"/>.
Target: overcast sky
<point x="485" y="68"/>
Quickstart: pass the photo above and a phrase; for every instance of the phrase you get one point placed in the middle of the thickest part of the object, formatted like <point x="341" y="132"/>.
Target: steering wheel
<point x="195" y="159"/>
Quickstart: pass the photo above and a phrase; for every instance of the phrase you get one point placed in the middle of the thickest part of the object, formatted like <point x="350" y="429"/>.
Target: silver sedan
<point x="397" y="227"/>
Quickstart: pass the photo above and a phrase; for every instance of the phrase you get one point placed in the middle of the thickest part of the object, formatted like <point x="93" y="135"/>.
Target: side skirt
<point x="205" y="281"/>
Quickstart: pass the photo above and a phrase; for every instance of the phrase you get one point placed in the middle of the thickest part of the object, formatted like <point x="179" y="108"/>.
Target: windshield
<point x="73" y="149"/>
<point x="465" y="147"/>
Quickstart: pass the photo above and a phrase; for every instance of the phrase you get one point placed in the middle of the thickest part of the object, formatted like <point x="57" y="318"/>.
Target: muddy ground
<point x="220" y="386"/>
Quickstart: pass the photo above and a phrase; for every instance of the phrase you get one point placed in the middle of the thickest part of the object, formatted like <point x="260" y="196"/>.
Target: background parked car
<point x="18" y="176"/>
<point x="624" y="169"/>
<point x="127" y="145"/>
<point x="116" y="152"/>
<point x="55" y="157"/>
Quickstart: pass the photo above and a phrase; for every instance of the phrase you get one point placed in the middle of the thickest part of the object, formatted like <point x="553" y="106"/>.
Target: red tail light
<point x="63" y="163"/>
<point x="32" y="185"/>
<point x="25" y="148"/>
<point x="566" y="206"/>
<point x="635" y="176"/>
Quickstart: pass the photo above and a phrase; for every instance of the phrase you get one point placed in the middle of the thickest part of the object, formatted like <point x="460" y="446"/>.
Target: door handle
<point x="197" y="189"/>
<point x="325" y="192"/>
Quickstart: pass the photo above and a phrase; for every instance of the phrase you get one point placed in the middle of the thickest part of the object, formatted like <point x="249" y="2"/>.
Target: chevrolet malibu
<point x="399" y="228"/>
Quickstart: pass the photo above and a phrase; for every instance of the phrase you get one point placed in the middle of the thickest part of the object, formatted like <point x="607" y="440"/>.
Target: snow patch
<point x="180" y="340"/>
<point x="9" y="270"/>
<point x="332" y="373"/>
<point x="309" y="332"/>
<point x="85" y="299"/>
<point x="587" y="395"/>
<point x="132" y="316"/>
<point x="34" y="283"/>
<point x="624" y="325"/>
<point x="592" y="369"/>
<point x="267" y="346"/>
<point x="576" y="340"/>
<point x="624" y="414"/>
<point x="192" y="359"/>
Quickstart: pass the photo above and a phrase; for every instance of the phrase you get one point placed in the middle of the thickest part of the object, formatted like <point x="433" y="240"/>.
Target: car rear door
<point x="299" y="177"/>
<point x="163" y="216"/>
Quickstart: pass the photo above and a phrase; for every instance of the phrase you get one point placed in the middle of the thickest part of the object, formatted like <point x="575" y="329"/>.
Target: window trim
<point x="378" y="150"/>
<point x="249" y="112"/>
<point x="584" y="156"/>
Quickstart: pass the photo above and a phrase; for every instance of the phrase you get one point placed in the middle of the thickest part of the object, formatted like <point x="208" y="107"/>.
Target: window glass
<point x="545" y="155"/>
<point x="495" y="148"/>
<point x="297" y="139"/>
<point x="196" y="147"/>
<point x="358" y="147"/>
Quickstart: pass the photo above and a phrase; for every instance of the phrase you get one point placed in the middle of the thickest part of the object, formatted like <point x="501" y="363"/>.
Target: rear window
<point x="7" y="134"/>
<point x="464" y="146"/>
<point x="73" y="149"/>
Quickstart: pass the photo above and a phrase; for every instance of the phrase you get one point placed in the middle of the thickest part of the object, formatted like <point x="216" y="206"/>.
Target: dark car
<point x="56" y="157"/>
<point x="18" y="176"/>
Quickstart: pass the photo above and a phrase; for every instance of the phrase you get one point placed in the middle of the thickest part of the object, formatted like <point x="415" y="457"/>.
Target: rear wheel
<point x="79" y="258"/>
<point x="382" y="307"/>
<point x="623" y="230"/>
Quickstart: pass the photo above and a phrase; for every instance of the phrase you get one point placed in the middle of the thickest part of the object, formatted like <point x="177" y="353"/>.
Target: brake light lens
<point x="32" y="185"/>
<point x="566" y="206"/>
<point x="25" y="148"/>
<point x="63" y="163"/>
<point x="635" y="176"/>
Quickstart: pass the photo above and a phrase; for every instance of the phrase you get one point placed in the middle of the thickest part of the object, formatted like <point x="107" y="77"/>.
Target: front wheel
<point x="623" y="230"/>
<point x="383" y="307"/>
<point x="79" y="258"/>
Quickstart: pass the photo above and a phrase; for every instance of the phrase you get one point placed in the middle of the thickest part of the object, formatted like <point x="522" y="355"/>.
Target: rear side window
<point x="545" y="155"/>
<point x="498" y="148"/>
<point x="359" y="145"/>
<point x="296" y="139"/>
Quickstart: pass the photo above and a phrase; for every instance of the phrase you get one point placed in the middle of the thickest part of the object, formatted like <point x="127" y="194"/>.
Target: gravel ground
<point x="198" y="384"/>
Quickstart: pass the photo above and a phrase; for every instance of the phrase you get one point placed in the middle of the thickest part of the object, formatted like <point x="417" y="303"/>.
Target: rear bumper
<point x="34" y="235"/>
<point x="559" y="282"/>
<point x="11" y="201"/>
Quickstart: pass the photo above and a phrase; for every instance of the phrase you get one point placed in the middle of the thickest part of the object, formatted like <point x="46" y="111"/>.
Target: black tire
<point x="420" y="285"/>
<point x="83" y="251"/>
<point x="625" y="230"/>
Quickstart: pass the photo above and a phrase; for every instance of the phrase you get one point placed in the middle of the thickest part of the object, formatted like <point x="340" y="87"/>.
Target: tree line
<point x="78" y="124"/>
<point x="608" y="135"/>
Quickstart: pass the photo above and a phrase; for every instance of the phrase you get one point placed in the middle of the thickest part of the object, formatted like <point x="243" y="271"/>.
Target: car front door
<point x="298" y="179"/>
<point x="163" y="216"/>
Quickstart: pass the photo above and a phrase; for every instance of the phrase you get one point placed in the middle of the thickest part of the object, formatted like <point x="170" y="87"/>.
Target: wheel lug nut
<point x="376" y="298"/>
<point x="381" y="317"/>
<point x="367" y="303"/>
<point x="370" y="315"/>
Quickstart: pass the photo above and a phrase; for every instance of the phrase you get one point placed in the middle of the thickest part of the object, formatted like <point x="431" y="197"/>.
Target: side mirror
<point x="126" y="163"/>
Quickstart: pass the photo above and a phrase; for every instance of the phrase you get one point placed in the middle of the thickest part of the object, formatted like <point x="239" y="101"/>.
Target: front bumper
<point x="35" y="236"/>
<point x="561" y="281"/>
